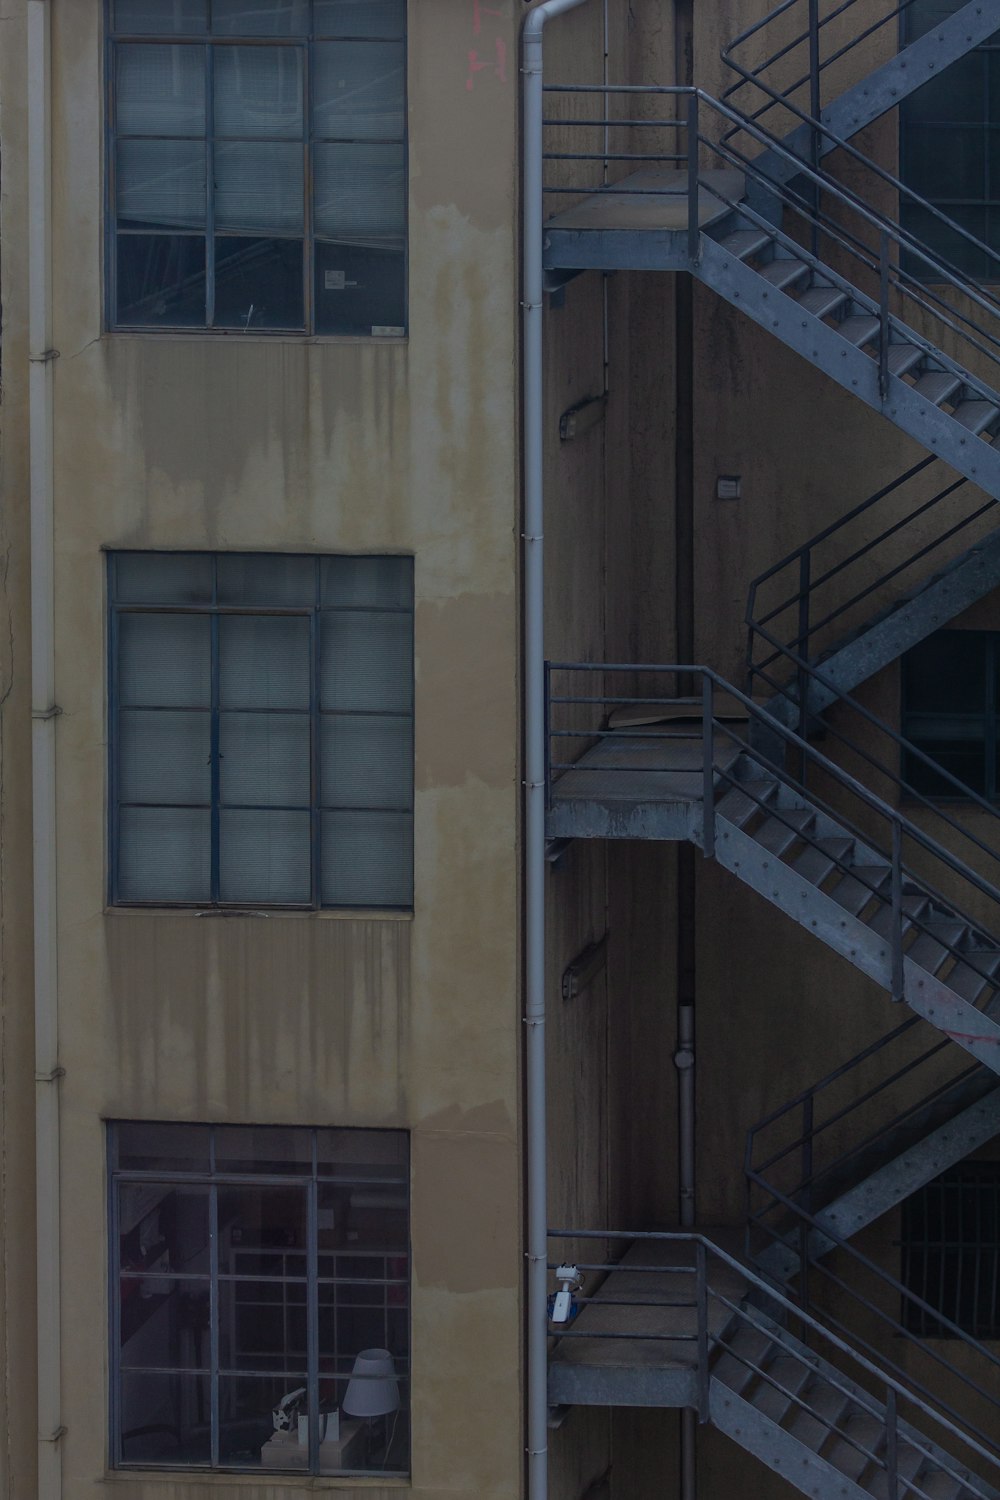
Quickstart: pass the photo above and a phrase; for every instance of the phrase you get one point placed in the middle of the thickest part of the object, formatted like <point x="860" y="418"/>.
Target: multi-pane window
<point x="951" y="711"/>
<point x="951" y="1252"/>
<point x="261" y="729"/>
<point x="260" y="1298"/>
<point x="257" y="165"/>
<point x="949" y="142"/>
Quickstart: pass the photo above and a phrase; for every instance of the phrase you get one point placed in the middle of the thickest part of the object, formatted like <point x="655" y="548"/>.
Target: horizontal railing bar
<point x="778" y="1298"/>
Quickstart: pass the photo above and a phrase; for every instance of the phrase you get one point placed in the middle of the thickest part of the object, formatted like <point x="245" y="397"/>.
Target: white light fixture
<point x="373" y="1390"/>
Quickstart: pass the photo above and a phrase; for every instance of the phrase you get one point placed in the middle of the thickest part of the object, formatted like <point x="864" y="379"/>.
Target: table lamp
<point x="373" y="1390"/>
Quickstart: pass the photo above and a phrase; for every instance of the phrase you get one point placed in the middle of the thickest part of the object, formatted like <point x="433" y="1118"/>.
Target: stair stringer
<point x="777" y="1449"/>
<point x="850" y="367"/>
<point x="887" y="85"/>
<point x="888" y="1185"/>
<point x="936" y="1455"/>
<point x="818" y="913"/>
<point x="968" y="579"/>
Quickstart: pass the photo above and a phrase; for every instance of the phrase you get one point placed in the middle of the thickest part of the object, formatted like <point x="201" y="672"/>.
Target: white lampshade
<point x="373" y="1390"/>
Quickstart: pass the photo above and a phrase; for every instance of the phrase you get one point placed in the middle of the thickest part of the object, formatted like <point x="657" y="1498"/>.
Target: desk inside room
<point x="284" y="1451"/>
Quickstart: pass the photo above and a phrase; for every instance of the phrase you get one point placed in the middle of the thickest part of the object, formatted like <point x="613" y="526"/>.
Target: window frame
<point x="988" y="721"/>
<point x="317" y="806"/>
<point x="212" y="1179"/>
<point x="308" y="331"/>
<point x="956" y="254"/>
<point x="966" y="1181"/>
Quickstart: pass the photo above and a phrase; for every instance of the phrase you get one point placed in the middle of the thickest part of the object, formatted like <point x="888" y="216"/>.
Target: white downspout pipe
<point x="43" y="768"/>
<point x="535" y="747"/>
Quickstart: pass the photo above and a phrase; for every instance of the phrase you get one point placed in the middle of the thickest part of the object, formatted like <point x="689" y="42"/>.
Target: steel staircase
<point x="676" y="1320"/>
<point x="858" y="594"/>
<point x="815" y="51"/>
<point x="757" y="217"/>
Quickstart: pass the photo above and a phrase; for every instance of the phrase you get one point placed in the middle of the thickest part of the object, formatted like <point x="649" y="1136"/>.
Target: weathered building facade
<point x="317" y="314"/>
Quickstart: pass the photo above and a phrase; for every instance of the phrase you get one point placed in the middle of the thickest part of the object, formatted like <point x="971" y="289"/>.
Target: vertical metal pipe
<point x="891" y="1474"/>
<point x="898" y="982"/>
<point x="815" y="107"/>
<point x="708" y="769"/>
<point x="43" y="744"/>
<point x="685" y="652"/>
<point x="883" y="314"/>
<point x="534" y="737"/>
<point x="802" y="651"/>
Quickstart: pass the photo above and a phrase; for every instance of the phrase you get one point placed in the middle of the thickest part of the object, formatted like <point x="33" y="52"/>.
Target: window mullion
<point x="209" y="185"/>
<point x="308" y="251"/>
<point x="312" y="1317"/>
<point x="315" y="756"/>
<point x="215" y="758"/>
<point x="214" y="1317"/>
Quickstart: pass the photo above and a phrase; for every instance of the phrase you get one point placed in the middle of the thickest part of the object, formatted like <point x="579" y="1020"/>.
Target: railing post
<point x="804" y="1267"/>
<point x="891" y="1475"/>
<point x="701" y="1300"/>
<point x="883" y="314"/>
<point x="897" y="911"/>
<point x="815" y="109"/>
<point x="801" y="651"/>
<point x="708" y="769"/>
<point x="694" y="228"/>
<point x="805" y="1185"/>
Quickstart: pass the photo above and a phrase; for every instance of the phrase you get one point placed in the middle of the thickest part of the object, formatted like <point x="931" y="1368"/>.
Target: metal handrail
<point x="808" y="577"/>
<point x="895" y="1387"/>
<point x="714" y="731"/>
<point x="893" y="241"/>
<point x="799" y="1239"/>
<point x="810" y="118"/>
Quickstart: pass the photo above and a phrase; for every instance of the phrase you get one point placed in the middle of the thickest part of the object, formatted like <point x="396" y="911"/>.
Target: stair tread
<point x="881" y="922"/>
<point x="976" y="415"/>
<point x="826" y="1404"/>
<point x="852" y="1458"/>
<point x="781" y="273"/>
<point x="821" y="301"/>
<point x="746" y="242"/>
<point x="789" y="1375"/>
<point x="937" y="386"/>
<point x="930" y="949"/>
<point x="741" y="802"/>
<point x="903" y="357"/>
<point x="780" y="832"/>
<point x="937" y="1485"/>
<point x="909" y="1462"/>
<point x="747" y="1343"/>
<point x="972" y="976"/>
<point x="817" y="860"/>
<point x="856" y="890"/>
<point x="858" y="328"/>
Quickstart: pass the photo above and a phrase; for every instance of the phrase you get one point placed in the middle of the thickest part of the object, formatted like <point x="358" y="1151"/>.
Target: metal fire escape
<point x="737" y="192"/>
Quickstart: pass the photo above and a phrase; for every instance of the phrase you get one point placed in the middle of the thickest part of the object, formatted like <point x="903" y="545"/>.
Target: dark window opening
<point x="951" y="1253"/>
<point x="260" y="1316"/>
<point x="951" y="711"/>
<point x="949" y="143"/>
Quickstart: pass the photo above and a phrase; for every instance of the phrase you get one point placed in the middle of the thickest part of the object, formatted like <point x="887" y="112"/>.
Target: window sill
<point x="346" y="914"/>
<point x="259" y="336"/>
<point x="246" y="1479"/>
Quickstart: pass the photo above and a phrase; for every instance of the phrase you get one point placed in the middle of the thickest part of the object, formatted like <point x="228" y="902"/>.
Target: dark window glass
<point x="949" y="143"/>
<point x="226" y="148"/>
<point x="262" y="730"/>
<point x="950" y="709"/>
<point x="951" y="1253"/>
<point x="261" y="1318"/>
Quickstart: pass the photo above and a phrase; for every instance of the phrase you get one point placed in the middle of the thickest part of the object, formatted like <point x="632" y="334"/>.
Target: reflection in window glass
<point x="949" y="144"/>
<point x="262" y="730"/>
<point x="286" y="1346"/>
<point x="220" y="128"/>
